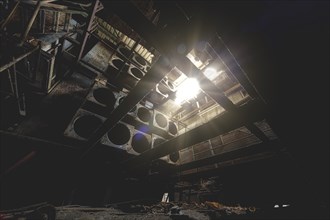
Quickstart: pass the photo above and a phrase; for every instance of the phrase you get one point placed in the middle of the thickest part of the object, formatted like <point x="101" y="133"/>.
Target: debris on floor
<point x="170" y="210"/>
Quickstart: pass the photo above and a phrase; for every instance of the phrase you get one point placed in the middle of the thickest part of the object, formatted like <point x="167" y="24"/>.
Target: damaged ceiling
<point x="154" y="96"/>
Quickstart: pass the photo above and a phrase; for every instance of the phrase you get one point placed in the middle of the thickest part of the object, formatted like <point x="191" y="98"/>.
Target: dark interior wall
<point x="284" y="49"/>
<point x="31" y="176"/>
<point x="260" y="183"/>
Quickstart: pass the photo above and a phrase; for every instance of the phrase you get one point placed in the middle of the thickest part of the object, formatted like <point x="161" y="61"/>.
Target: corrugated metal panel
<point x="117" y="36"/>
<point x="186" y="155"/>
<point x="202" y="150"/>
<point x="207" y="167"/>
<point x="264" y="126"/>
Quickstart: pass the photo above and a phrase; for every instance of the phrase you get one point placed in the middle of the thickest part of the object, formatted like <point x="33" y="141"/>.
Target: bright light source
<point x="187" y="90"/>
<point x="165" y="198"/>
<point x="286" y="205"/>
<point x="276" y="206"/>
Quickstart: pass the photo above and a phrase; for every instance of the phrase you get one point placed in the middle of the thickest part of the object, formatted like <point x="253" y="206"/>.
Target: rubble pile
<point x="170" y="210"/>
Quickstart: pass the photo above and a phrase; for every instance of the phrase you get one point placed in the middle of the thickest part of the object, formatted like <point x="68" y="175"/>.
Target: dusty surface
<point x="164" y="211"/>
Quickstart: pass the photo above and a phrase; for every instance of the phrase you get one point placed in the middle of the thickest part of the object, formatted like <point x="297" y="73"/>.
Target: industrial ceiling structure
<point x="109" y="101"/>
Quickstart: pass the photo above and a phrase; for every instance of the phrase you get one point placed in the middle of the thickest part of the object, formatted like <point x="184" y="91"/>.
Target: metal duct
<point x="164" y="89"/>
<point x="124" y="51"/>
<point x="165" y="86"/>
<point x="138" y="60"/>
<point x="135" y="72"/>
<point x="116" y="62"/>
<point x="83" y="125"/>
<point x="143" y="114"/>
<point x="120" y="98"/>
<point x="129" y="74"/>
<point x="172" y="128"/>
<point x="102" y="95"/>
<point x="119" y="137"/>
<point x="160" y="120"/>
<point x="141" y="62"/>
<point x="141" y="142"/>
<point x="174" y="157"/>
<point x="156" y="97"/>
<point x="156" y="141"/>
<point x="140" y="117"/>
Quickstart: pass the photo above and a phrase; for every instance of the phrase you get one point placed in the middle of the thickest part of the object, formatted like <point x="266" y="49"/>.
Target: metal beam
<point x="185" y="65"/>
<point x="161" y="41"/>
<point x="266" y="156"/>
<point x="28" y="27"/>
<point x="253" y="149"/>
<point x="15" y="60"/>
<point x="164" y="40"/>
<point x="90" y="20"/>
<point x="231" y="63"/>
<point x="229" y="121"/>
<point x="157" y="72"/>
<point x="9" y="17"/>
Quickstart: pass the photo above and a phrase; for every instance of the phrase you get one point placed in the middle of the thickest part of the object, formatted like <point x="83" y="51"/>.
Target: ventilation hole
<point x="162" y="88"/>
<point x="140" y="143"/>
<point x="104" y="96"/>
<point x="121" y="100"/>
<point x="140" y="60"/>
<point x="126" y="52"/>
<point x="119" y="135"/>
<point x="170" y="85"/>
<point x="161" y="120"/>
<point x="111" y="70"/>
<point x="172" y="129"/>
<point x="144" y="114"/>
<point x="86" y="125"/>
<point x="174" y="157"/>
<point x="136" y="72"/>
<point x="158" y="141"/>
<point x="118" y="63"/>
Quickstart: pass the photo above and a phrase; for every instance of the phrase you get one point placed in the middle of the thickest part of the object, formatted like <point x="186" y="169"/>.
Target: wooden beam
<point x="15" y="60"/>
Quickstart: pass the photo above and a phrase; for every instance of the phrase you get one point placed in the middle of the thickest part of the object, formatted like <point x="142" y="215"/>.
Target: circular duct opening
<point x="172" y="129"/>
<point x="136" y="72"/>
<point x="161" y="120"/>
<point x="140" y="143"/>
<point x="118" y="63"/>
<point x="140" y="60"/>
<point x="144" y="114"/>
<point x="162" y="88"/>
<point x="104" y="96"/>
<point x="170" y="85"/>
<point x="86" y="125"/>
<point x="174" y="157"/>
<point x="120" y="134"/>
<point x="125" y="51"/>
<point x="158" y="141"/>
<point x="120" y="100"/>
